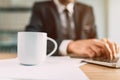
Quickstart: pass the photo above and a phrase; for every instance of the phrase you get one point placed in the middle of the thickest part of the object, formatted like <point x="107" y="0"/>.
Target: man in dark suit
<point x="69" y="19"/>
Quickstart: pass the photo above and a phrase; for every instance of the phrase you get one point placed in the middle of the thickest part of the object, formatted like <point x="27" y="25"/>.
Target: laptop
<point x="114" y="63"/>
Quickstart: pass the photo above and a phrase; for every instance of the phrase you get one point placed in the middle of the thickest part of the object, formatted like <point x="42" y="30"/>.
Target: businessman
<point x="72" y="25"/>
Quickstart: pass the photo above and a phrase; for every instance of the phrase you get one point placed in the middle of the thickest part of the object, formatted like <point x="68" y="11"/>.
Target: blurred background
<point x="15" y="15"/>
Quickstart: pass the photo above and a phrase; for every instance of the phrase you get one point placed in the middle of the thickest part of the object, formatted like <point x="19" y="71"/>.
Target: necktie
<point x="69" y="32"/>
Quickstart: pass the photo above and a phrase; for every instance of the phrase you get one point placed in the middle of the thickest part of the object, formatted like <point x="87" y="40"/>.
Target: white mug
<point x="32" y="47"/>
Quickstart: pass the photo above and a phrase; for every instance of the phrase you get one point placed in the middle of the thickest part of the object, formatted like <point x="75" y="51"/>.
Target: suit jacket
<point x="45" y="18"/>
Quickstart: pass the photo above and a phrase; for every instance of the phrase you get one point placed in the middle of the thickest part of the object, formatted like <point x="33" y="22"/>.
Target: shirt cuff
<point x="63" y="47"/>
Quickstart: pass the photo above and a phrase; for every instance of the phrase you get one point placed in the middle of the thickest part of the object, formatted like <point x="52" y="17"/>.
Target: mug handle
<point x="55" y="46"/>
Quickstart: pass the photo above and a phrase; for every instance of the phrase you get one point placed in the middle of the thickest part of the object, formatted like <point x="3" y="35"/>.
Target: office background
<point x="15" y="15"/>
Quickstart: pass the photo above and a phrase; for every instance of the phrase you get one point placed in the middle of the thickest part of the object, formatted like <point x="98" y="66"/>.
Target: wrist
<point x="69" y="48"/>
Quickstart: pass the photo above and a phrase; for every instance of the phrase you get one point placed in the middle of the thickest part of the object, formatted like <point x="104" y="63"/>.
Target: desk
<point x="94" y="72"/>
<point x="7" y="55"/>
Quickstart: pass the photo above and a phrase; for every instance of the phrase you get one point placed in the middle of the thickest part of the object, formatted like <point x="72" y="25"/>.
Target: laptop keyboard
<point x="106" y="60"/>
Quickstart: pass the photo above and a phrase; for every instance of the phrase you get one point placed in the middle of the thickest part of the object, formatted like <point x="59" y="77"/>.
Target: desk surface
<point x="94" y="72"/>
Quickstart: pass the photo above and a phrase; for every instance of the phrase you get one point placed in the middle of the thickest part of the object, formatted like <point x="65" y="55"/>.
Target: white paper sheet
<point x="54" y="68"/>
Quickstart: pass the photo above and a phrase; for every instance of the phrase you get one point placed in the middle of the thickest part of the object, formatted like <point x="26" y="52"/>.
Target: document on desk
<point x="54" y="68"/>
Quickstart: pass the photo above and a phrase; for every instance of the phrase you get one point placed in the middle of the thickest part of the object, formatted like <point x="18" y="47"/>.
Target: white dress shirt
<point x="61" y="8"/>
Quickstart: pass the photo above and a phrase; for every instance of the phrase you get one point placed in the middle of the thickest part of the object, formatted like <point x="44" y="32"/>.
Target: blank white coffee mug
<point x="32" y="47"/>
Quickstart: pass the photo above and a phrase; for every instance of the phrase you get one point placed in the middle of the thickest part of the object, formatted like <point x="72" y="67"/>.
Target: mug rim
<point x="32" y="32"/>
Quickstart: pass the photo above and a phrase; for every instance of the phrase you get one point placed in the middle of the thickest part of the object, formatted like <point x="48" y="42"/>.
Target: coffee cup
<point x="32" y="47"/>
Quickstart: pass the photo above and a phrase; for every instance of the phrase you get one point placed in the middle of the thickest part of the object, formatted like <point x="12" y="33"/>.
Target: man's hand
<point x="114" y="48"/>
<point x="93" y="48"/>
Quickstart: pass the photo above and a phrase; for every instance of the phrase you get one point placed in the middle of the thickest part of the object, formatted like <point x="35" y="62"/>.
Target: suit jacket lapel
<point x="58" y="24"/>
<point x="77" y="20"/>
